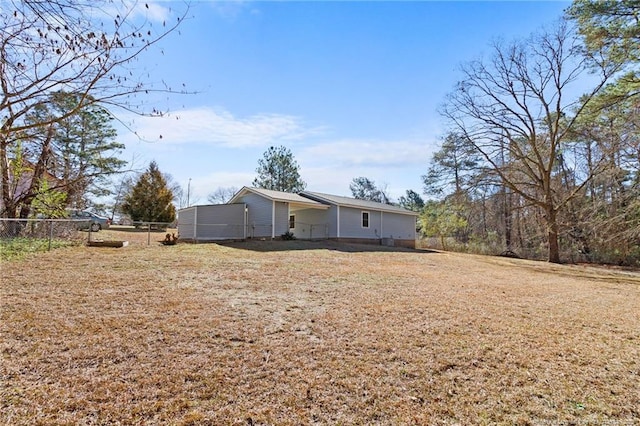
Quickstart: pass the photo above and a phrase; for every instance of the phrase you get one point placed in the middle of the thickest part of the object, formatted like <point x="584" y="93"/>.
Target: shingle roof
<point x="285" y="197"/>
<point x="353" y="202"/>
<point x="320" y="200"/>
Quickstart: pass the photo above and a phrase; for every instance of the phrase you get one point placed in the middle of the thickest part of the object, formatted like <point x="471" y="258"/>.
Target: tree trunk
<point x="5" y="192"/>
<point x="37" y="175"/>
<point x="508" y="229"/>
<point x="552" y="226"/>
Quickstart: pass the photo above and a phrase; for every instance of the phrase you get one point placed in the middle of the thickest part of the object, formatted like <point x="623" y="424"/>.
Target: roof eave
<point x="359" y="206"/>
<point x="244" y="190"/>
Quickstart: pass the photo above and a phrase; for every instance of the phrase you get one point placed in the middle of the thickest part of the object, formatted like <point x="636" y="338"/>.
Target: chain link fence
<point x="43" y="228"/>
<point x="152" y="228"/>
<point x="20" y="236"/>
<point x="28" y="235"/>
<point x="311" y="231"/>
<point x="190" y="231"/>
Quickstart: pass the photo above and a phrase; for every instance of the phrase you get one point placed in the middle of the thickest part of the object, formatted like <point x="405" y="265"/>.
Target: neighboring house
<point x="19" y="185"/>
<point x="262" y="213"/>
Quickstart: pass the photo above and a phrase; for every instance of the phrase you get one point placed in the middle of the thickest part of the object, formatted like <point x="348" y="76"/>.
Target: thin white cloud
<point x="370" y="153"/>
<point x="215" y="148"/>
<point x="219" y="127"/>
<point x="153" y="11"/>
<point x="203" y="186"/>
<point x="392" y="164"/>
<point x="231" y="9"/>
<point x="150" y="10"/>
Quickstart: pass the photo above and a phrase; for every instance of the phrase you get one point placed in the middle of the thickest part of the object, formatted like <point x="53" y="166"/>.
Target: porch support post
<point x="273" y="219"/>
<point x="195" y="224"/>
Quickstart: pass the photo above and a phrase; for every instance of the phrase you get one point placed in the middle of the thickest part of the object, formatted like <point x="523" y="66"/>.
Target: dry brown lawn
<point x="300" y="333"/>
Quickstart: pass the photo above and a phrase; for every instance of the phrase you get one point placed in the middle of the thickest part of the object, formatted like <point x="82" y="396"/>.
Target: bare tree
<point x="222" y="195"/>
<point x="86" y="48"/>
<point x="517" y="107"/>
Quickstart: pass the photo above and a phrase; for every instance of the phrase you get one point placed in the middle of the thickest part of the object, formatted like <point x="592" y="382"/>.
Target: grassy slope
<point x="305" y="334"/>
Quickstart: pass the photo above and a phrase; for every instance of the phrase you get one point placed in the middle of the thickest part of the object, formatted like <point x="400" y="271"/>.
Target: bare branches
<point x="515" y="110"/>
<point x="85" y="48"/>
<point x="74" y="47"/>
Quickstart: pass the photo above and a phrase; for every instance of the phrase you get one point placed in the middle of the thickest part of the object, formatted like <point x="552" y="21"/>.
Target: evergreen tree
<point x="412" y="201"/>
<point x="278" y="171"/>
<point x="610" y="28"/>
<point x="452" y="167"/>
<point x="150" y="199"/>
<point x="84" y="48"/>
<point x="443" y="219"/>
<point x="74" y="156"/>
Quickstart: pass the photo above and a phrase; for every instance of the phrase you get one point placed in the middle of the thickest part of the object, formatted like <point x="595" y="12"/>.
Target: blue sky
<point x="351" y="88"/>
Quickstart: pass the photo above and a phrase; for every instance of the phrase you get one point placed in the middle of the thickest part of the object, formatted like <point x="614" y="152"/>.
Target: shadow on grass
<point x="590" y="271"/>
<point x="291" y="245"/>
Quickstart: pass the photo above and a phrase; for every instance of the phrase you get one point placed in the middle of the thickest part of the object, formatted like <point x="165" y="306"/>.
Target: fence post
<point x="148" y="234"/>
<point x="50" y="233"/>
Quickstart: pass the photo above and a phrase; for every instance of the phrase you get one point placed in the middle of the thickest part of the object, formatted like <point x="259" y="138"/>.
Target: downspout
<point x="246" y="222"/>
<point x="381" y="224"/>
<point x="338" y="225"/>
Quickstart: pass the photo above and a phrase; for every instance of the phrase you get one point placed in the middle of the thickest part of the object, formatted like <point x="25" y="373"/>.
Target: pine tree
<point x="150" y="199"/>
<point x="278" y="171"/>
<point x="363" y="188"/>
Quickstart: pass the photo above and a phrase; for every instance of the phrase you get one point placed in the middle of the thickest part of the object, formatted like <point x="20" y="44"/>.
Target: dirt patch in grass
<point x="297" y="332"/>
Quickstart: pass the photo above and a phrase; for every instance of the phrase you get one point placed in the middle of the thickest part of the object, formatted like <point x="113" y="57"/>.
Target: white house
<point x="262" y="213"/>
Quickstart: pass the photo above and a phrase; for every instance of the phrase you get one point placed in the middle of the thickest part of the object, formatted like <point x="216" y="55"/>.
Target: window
<point x="292" y="221"/>
<point x="365" y="219"/>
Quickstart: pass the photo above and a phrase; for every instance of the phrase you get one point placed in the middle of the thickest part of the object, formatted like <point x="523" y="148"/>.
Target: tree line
<point x="529" y="167"/>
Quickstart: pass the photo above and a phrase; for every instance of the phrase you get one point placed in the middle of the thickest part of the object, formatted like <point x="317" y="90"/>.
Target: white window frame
<point x="362" y="213"/>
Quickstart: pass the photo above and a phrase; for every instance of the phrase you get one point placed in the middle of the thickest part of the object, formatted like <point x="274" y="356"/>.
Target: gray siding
<point x="332" y="220"/>
<point x="266" y="218"/>
<point x="212" y="222"/>
<point x="311" y="223"/>
<point x="186" y="223"/>
<point x="282" y="218"/>
<point x="398" y="226"/>
<point x="218" y="222"/>
<point x="351" y="223"/>
<point x="381" y="224"/>
<point x="260" y="210"/>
